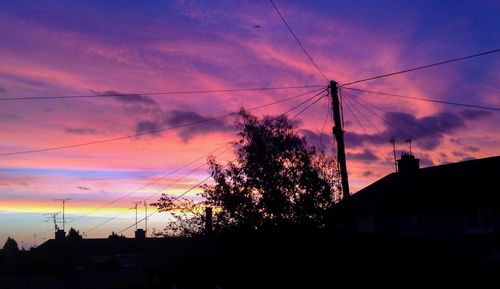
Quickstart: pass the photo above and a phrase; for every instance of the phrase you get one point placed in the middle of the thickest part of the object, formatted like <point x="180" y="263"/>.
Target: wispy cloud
<point x="8" y="116"/>
<point x="148" y="127"/>
<point x="427" y="131"/>
<point x="474" y="114"/>
<point x="127" y="98"/>
<point x="204" y="127"/>
<point x="367" y="156"/>
<point x="81" y="130"/>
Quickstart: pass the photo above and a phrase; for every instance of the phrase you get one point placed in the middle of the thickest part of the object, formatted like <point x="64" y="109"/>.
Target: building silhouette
<point x="456" y="203"/>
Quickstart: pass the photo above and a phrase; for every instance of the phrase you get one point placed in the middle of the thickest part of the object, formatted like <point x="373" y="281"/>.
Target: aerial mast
<point x="63" y="218"/>
<point x="135" y="207"/>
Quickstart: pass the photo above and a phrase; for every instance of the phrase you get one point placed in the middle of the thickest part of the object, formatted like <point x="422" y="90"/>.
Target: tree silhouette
<point x="10" y="246"/>
<point x="73" y="234"/>
<point x="115" y="236"/>
<point x="187" y="216"/>
<point x="277" y="180"/>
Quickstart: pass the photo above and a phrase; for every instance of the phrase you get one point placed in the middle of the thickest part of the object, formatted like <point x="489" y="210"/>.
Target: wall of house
<point x="443" y="224"/>
<point x="495" y="217"/>
<point x="365" y="224"/>
<point x="438" y="224"/>
<point x="388" y="225"/>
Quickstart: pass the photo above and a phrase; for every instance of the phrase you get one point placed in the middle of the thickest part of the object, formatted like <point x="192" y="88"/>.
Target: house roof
<point x="109" y="247"/>
<point x="466" y="183"/>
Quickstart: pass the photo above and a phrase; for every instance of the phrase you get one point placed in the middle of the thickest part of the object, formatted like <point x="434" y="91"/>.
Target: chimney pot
<point x="408" y="163"/>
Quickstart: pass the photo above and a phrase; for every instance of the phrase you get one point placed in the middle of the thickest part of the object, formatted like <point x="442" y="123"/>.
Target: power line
<point x="176" y="198"/>
<point x="148" y="184"/>
<point x="177" y="180"/>
<point x="413" y="124"/>
<point x="82" y="216"/>
<point x="182" y="177"/>
<point x="122" y="197"/>
<point x="294" y="107"/>
<point x="422" y="67"/>
<point x="348" y="104"/>
<point x="152" y="195"/>
<point x="153" y="131"/>
<point x="402" y="119"/>
<point x="381" y="117"/>
<point x="158" y="93"/>
<point x="207" y="178"/>
<point x="387" y="121"/>
<point x="107" y="220"/>
<point x="324" y="122"/>
<point x="305" y="108"/>
<point x="114" y="217"/>
<point x="298" y="41"/>
<point x="427" y="99"/>
<point x="136" y="190"/>
<point x="381" y="134"/>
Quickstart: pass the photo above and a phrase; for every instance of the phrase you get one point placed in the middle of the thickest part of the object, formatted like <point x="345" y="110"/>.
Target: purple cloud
<point x="128" y="98"/>
<point x="474" y="114"/>
<point x="366" y="156"/>
<point x="81" y="130"/>
<point x="188" y="124"/>
<point x="367" y="174"/>
<point x="203" y="126"/>
<point x="148" y="127"/>
<point x="425" y="161"/>
<point x="352" y="139"/>
<point x="8" y="116"/>
<point x="426" y="131"/>
<point x="355" y="140"/>
<point x="321" y="141"/>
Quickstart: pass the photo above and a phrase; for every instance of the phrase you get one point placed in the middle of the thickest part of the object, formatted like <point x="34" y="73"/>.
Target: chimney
<point x="408" y="163"/>
<point x="140" y="234"/>
<point x="60" y="235"/>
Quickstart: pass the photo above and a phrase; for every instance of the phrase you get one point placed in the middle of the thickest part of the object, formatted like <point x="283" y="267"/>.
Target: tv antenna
<point x="53" y="217"/>
<point x="135" y="207"/>
<point x="393" y="142"/>
<point x="145" y="217"/>
<point x="408" y="140"/>
<point x="63" y="219"/>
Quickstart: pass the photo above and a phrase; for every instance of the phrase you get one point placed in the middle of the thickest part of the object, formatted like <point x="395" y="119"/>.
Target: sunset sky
<point x="77" y="47"/>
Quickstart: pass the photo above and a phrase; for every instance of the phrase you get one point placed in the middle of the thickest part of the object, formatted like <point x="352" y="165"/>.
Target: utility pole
<point x="135" y="207"/>
<point x="338" y="133"/>
<point x="63" y="219"/>
<point x="393" y="142"/>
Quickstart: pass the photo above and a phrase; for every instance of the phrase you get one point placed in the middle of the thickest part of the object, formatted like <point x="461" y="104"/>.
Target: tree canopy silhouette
<point x="10" y="246"/>
<point x="73" y="234"/>
<point x="277" y="179"/>
<point x="115" y="236"/>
